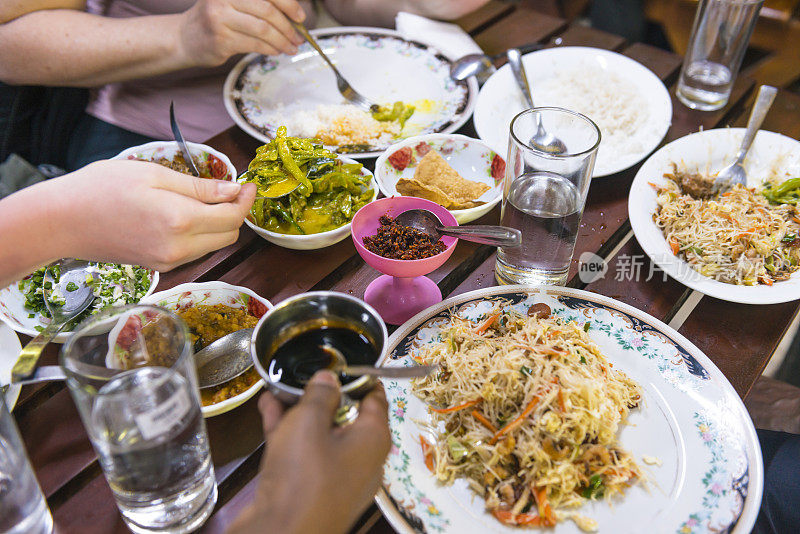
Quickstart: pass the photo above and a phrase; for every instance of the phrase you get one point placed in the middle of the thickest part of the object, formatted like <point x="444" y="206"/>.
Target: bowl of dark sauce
<point x="288" y="343"/>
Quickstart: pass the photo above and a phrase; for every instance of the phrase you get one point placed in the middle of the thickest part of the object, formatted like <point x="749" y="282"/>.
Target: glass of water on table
<point x="131" y="373"/>
<point x="544" y="194"/>
<point x="23" y="509"/>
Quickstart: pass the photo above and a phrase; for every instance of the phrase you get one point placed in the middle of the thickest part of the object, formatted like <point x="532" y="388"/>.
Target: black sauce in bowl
<point x="297" y="359"/>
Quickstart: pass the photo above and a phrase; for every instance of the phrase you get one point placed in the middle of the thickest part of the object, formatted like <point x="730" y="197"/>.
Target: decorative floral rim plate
<point x="708" y="152"/>
<point x="379" y="63"/>
<point x="692" y="420"/>
<point x="471" y="158"/>
<point x="220" y="163"/>
<point x="500" y="100"/>
<point x="14" y="313"/>
<point x="184" y="296"/>
<point x="9" y="352"/>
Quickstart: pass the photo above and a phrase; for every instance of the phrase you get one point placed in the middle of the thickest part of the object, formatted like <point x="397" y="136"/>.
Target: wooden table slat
<point x="524" y="26"/>
<point x="741" y="337"/>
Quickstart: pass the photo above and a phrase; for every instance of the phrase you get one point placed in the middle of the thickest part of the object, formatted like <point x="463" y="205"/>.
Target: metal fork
<point x="344" y="86"/>
<point x="734" y="173"/>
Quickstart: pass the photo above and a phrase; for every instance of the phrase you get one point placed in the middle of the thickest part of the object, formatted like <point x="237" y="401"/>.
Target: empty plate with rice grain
<point x="262" y="93"/>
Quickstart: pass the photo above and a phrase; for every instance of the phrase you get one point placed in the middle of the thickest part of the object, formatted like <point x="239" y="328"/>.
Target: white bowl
<point x="314" y="241"/>
<point x="471" y="158"/>
<point x="168" y="150"/>
<point x="210" y="293"/>
<point x="15" y="315"/>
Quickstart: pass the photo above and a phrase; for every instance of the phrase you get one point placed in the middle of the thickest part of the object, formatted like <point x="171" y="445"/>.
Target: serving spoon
<point x="76" y="301"/>
<point x="478" y="64"/>
<point x="541" y="140"/>
<point x="229" y="357"/>
<point x="734" y="173"/>
<point x="343" y="85"/>
<point x="224" y="359"/>
<point x="427" y="222"/>
<point x="339" y="365"/>
<point x="176" y="131"/>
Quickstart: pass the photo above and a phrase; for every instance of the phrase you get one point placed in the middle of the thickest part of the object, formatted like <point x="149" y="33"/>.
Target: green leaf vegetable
<point x="398" y="112"/>
<point x="595" y="489"/>
<point x="303" y="188"/>
<point x="786" y="193"/>
<point x="112" y="284"/>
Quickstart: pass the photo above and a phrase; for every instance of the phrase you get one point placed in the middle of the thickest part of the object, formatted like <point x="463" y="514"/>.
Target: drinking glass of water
<point x="719" y="39"/>
<point x="131" y="372"/>
<point x="23" y="509"/>
<point x="544" y="194"/>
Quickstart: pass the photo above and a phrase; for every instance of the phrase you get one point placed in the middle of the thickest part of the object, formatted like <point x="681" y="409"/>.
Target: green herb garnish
<point x="595" y="489"/>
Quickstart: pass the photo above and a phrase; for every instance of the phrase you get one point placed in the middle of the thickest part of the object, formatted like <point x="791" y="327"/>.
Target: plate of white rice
<point x="624" y="98"/>
<point x="262" y="93"/>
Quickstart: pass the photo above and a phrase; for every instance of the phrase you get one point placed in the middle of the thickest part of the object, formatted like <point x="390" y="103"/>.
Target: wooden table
<point x="740" y="339"/>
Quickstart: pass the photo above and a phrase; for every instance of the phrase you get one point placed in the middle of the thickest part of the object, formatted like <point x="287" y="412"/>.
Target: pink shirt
<point x="142" y="106"/>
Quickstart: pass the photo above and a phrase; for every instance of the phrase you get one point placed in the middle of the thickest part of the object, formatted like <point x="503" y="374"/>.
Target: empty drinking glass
<point x="131" y="372"/>
<point x="544" y="194"/>
<point x="23" y="509"/>
<point x="720" y="34"/>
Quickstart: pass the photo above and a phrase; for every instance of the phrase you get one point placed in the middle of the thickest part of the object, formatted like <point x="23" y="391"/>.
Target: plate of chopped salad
<point x="22" y="304"/>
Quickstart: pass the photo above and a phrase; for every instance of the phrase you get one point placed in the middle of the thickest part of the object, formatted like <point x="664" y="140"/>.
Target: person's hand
<point x="146" y="214"/>
<point x="212" y="31"/>
<point x="317" y="478"/>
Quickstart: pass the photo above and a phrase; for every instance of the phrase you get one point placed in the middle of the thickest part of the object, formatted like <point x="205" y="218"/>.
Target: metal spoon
<point x="344" y="86"/>
<point x="339" y="366"/>
<point x="541" y="140"/>
<point x="224" y="359"/>
<point x="278" y="189"/>
<point x="427" y="222"/>
<point x="482" y="65"/>
<point x="734" y="173"/>
<point x="74" y="272"/>
<point x="176" y="131"/>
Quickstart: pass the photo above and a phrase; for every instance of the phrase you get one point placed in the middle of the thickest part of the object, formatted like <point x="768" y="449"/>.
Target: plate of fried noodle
<point x="560" y="409"/>
<point x="740" y="245"/>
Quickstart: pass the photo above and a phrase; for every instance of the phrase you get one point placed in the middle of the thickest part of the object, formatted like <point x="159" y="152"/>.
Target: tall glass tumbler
<point x="23" y="509"/>
<point x="544" y="194"/>
<point x="131" y="372"/>
<point x="719" y="39"/>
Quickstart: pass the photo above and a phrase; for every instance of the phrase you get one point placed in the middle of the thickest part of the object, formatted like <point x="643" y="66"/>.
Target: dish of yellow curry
<point x="206" y="325"/>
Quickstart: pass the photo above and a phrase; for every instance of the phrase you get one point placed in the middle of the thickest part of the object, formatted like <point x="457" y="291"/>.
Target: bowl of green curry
<point x="307" y="195"/>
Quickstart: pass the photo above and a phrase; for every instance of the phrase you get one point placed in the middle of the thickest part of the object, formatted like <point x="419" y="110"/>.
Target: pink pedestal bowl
<point x="403" y="290"/>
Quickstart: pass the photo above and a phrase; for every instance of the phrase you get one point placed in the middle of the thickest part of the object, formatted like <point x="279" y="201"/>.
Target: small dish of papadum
<point x="457" y="172"/>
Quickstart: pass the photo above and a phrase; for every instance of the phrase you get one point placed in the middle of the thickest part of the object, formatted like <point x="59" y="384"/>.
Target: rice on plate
<point x="629" y="104"/>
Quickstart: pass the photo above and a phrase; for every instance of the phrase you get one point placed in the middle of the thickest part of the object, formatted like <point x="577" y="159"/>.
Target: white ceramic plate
<point x="15" y="315"/>
<point x="471" y="158"/>
<point x="209" y="293"/>
<point x="708" y="152"/>
<point x="500" y="100"/>
<point x="314" y="241"/>
<point x="711" y="478"/>
<point x="9" y="352"/>
<point x="379" y="63"/>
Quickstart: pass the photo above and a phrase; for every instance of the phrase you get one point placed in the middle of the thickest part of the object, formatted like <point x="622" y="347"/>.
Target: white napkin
<point x="448" y="38"/>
